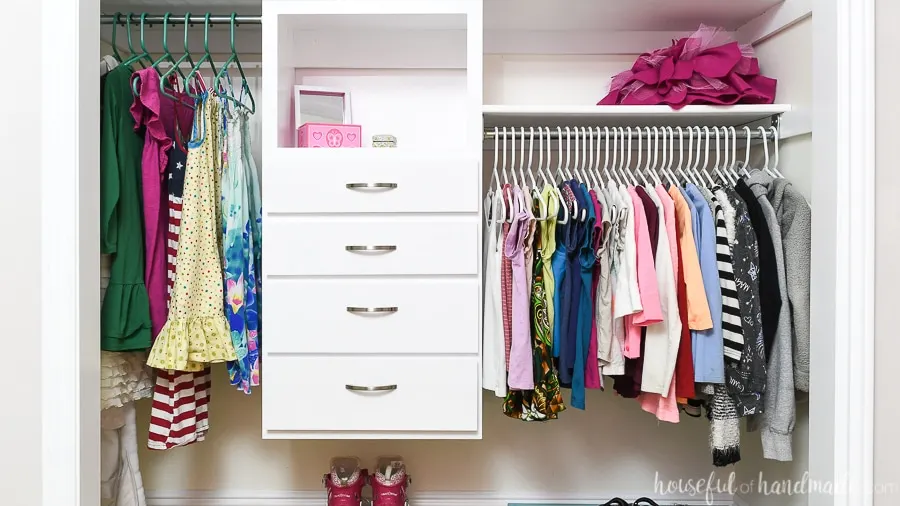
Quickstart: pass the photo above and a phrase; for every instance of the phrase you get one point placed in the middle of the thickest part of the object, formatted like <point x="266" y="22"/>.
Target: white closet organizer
<point x="372" y="297"/>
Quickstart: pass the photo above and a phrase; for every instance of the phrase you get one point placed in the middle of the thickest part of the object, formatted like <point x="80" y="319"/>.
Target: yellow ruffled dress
<point x="196" y="332"/>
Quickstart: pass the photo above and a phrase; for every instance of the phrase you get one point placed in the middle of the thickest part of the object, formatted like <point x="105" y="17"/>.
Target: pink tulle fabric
<point x="704" y="68"/>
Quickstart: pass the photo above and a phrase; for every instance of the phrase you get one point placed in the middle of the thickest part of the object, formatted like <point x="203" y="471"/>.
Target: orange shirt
<point x="698" y="316"/>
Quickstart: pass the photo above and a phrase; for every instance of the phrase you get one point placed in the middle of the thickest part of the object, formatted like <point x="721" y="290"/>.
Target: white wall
<point x="887" y="270"/>
<point x="20" y="124"/>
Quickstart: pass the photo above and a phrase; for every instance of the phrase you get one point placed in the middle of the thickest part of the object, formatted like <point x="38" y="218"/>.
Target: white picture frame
<point x="300" y="90"/>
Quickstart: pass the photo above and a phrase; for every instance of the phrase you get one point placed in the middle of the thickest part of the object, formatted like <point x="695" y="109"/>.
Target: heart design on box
<point x="351" y="137"/>
<point x="317" y="136"/>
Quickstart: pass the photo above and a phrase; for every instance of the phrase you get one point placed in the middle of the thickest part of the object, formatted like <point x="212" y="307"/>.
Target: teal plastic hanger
<point x="207" y="57"/>
<point x="115" y="48"/>
<point x="141" y="57"/>
<point x="176" y="64"/>
<point x="224" y="72"/>
<point x="144" y="48"/>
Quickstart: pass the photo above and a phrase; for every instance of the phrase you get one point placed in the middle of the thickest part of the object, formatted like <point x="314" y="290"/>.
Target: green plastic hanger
<point x="115" y="48"/>
<point x="244" y="86"/>
<point x="176" y="64"/>
<point x="139" y="58"/>
<point x="144" y="48"/>
<point x="207" y="57"/>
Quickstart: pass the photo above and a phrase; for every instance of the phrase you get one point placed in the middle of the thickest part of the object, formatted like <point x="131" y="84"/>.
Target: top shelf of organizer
<point x="628" y="115"/>
<point x="631" y="15"/>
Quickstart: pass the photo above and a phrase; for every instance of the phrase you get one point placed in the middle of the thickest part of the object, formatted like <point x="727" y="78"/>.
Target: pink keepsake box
<point x="324" y="135"/>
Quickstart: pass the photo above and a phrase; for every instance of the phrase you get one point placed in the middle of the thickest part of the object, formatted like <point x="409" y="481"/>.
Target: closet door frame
<point x="841" y="403"/>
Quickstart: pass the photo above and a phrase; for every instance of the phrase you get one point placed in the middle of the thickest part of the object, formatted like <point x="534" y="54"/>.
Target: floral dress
<point x="241" y="304"/>
<point x="196" y="330"/>
<point x="545" y="401"/>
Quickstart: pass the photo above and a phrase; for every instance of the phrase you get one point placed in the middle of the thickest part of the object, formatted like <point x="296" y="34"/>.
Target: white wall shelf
<point x="628" y="115"/>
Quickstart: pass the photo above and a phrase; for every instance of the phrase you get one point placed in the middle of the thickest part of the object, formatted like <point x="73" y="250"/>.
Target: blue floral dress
<point x="240" y="244"/>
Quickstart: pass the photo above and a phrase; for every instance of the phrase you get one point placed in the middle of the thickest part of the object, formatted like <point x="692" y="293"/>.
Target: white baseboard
<point x="316" y="498"/>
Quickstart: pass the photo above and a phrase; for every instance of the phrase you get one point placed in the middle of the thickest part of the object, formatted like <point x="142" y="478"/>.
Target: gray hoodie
<point x="777" y="423"/>
<point x="795" y="219"/>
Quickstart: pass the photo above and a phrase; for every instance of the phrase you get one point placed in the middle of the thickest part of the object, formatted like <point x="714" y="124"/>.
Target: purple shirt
<point x="521" y="369"/>
<point x="146" y="110"/>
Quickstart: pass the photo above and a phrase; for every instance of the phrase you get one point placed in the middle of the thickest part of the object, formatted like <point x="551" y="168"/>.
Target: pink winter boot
<point x="389" y="483"/>
<point x="345" y="482"/>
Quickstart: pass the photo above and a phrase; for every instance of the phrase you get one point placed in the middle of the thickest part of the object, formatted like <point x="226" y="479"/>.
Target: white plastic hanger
<point x="668" y="170"/>
<point x="746" y="153"/>
<point x="512" y="160"/>
<point x="587" y="146"/>
<point x="548" y="169"/>
<point x="609" y="141"/>
<point x="505" y="175"/>
<point x="652" y="170"/>
<point x="668" y="141"/>
<point x="731" y="167"/>
<point x="766" y="149"/>
<point x="589" y="169"/>
<point x="522" y="155"/>
<point x="626" y="168"/>
<point x="597" y="175"/>
<point x="690" y="157"/>
<point x="775" y="163"/>
<point x="542" y="170"/>
<point x="577" y="152"/>
<point x="496" y="176"/>
<point x="615" y="146"/>
<point x="640" y="142"/>
<point x="507" y="192"/>
<point x="637" y="165"/>
<point x="559" y="160"/>
<point x="536" y="194"/>
<point x="727" y="162"/>
<point x="722" y="172"/>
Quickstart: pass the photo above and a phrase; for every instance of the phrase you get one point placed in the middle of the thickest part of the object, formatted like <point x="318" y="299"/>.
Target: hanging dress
<point x="196" y="332"/>
<point x="240" y="273"/>
<point x="180" y="412"/>
<point x="254" y="196"/>
<point x="125" y="312"/>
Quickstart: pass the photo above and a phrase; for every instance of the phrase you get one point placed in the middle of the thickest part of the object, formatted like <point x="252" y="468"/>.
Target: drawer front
<point x="370" y="181"/>
<point x="420" y="394"/>
<point x="404" y="246"/>
<point x="372" y="316"/>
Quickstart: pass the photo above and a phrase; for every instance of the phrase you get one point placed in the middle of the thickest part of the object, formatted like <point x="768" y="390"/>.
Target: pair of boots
<point x="643" y="501"/>
<point x="346" y="480"/>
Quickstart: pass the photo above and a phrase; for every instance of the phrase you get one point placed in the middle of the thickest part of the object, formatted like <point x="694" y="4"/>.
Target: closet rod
<point x="195" y="19"/>
<point x="517" y="134"/>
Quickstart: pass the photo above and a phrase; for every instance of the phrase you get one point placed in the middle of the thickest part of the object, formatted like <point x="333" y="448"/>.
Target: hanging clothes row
<point x="181" y="222"/>
<point x="685" y="283"/>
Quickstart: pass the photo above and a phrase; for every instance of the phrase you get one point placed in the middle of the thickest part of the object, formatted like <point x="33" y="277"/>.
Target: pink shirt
<point x="592" y="377"/>
<point x="147" y="112"/>
<point x="521" y="369"/>
<point x="665" y="407"/>
<point x="646" y="276"/>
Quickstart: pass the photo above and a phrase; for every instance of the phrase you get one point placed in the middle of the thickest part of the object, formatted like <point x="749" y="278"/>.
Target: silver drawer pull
<point x="371" y="186"/>
<point x="364" y="310"/>
<point x="379" y="388"/>
<point x="371" y="248"/>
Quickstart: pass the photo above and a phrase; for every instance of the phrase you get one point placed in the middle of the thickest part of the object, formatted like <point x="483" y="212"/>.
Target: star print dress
<point x="180" y="411"/>
<point x="196" y="332"/>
